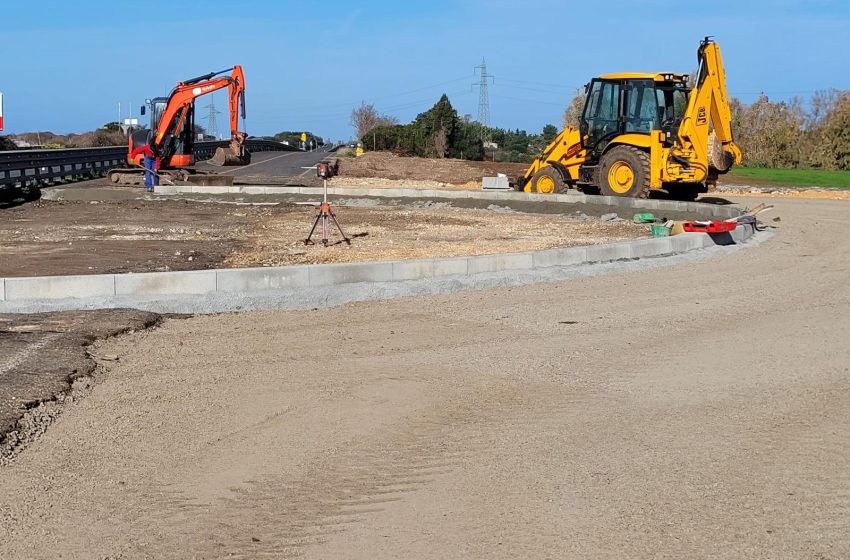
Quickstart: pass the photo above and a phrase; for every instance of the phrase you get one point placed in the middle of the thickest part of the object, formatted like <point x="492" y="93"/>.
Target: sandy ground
<point x="454" y="171"/>
<point x="784" y="192"/>
<point x="44" y="355"/>
<point x="698" y="411"/>
<point x="430" y="230"/>
<point x="144" y="234"/>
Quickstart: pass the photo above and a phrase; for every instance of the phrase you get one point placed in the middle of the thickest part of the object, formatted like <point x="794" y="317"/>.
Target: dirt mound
<point x="456" y="171"/>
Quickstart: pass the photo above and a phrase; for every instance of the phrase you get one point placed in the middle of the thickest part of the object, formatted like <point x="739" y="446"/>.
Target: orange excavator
<point x="171" y="136"/>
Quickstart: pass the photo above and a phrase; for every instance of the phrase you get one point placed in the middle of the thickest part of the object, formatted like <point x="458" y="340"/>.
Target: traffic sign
<point x="303" y="136"/>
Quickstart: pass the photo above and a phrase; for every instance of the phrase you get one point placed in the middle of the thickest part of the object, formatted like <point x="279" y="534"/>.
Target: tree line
<point x="789" y="134"/>
<point x="441" y="133"/>
<point x="781" y="134"/>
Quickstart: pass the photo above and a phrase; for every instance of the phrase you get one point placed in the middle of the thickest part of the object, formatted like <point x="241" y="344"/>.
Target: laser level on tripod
<point x="325" y="214"/>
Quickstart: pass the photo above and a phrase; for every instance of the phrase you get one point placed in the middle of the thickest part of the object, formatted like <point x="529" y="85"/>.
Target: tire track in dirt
<point x="20" y="357"/>
<point x="281" y="517"/>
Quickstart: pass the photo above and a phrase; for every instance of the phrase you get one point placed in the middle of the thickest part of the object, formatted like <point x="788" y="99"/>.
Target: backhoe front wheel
<point x="547" y="181"/>
<point x="624" y="171"/>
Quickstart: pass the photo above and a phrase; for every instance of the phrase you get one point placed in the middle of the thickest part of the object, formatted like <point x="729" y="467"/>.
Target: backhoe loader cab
<point x="641" y="132"/>
<point x="631" y="103"/>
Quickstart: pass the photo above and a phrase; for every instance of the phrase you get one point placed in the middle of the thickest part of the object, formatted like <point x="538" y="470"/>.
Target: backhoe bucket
<point x="234" y="154"/>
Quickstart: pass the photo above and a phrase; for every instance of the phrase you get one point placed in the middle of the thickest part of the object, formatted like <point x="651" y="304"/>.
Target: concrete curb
<point x="707" y="210"/>
<point x="113" y="290"/>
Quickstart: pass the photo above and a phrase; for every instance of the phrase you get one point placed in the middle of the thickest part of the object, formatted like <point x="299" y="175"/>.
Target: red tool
<point x="710" y="227"/>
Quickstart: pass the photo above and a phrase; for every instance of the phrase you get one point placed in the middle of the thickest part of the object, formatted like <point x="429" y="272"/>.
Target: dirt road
<point x="699" y="411"/>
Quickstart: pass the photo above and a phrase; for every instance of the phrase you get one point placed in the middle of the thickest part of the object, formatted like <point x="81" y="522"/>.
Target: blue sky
<point x="67" y="65"/>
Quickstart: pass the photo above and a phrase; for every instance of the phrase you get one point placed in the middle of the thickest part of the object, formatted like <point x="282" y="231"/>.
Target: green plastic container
<point x="644" y="218"/>
<point x="660" y="230"/>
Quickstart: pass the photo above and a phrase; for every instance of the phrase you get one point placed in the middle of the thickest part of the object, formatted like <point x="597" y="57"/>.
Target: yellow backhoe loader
<point x="644" y="132"/>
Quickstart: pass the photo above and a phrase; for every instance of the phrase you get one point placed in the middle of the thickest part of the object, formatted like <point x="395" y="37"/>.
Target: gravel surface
<point x="693" y="411"/>
<point x="110" y="235"/>
<point x="45" y="364"/>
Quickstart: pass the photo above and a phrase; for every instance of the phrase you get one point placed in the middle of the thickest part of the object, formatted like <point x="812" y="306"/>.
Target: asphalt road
<point x="694" y="411"/>
<point x="272" y="164"/>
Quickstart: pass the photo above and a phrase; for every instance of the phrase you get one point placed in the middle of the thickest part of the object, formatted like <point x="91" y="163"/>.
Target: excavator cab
<point x="631" y="104"/>
<point x="178" y="150"/>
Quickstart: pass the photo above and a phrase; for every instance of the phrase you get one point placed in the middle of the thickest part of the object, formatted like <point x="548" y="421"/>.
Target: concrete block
<point x="164" y="283"/>
<point x="497" y="195"/>
<point x="570" y="198"/>
<point x="744" y="232"/>
<point x="430" y="268"/>
<point x="348" y="273"/>
<point x="495" y="183"/>
<point x="247" y="189"/>
<point x="260" y="279"/>
<point x="449" y="193"/>
<point x="606" y="253"/>
<point x="629" y="203"/>
<point x="60" y="287"/>
<point x="651" y="247"/>
<point x="167" y="189"/>
<point x="648" y="204"/>
<point x="607" y="200"/>
<point x="559" y="257"/>
<point x="690" y="241"/>
<point x="198" y="189"/>
<point x="496" y="263"/>
<point x="373" y="192"/>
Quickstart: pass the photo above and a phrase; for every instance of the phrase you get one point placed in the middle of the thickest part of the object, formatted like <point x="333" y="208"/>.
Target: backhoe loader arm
<point x="183" y="97"/>
<point x="708" y="103"/>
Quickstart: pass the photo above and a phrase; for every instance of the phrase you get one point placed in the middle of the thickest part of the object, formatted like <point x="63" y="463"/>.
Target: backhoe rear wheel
<point x="624" y="171"/>
<point x="547" y="181"/>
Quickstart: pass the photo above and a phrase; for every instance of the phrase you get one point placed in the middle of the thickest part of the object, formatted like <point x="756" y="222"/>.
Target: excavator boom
<point x="182" y="99"/>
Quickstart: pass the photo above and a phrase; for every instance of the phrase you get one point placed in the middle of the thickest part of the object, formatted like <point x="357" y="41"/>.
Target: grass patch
<point x="787" y="177"/>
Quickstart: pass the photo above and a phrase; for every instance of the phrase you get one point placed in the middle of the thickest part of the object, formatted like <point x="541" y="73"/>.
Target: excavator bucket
<point x="234" y="154"/>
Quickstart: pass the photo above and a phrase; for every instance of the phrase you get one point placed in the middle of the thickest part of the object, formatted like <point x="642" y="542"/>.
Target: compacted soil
<point x="146" y="234"/>
<point x="698" y="410"/>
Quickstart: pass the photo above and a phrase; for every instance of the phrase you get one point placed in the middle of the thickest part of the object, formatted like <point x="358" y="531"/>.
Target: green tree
<point x="831" y="146"/>
<point x="550" y="131"/>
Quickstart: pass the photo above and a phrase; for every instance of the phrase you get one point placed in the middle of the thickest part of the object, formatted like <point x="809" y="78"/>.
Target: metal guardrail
<point x="36" y="168"/>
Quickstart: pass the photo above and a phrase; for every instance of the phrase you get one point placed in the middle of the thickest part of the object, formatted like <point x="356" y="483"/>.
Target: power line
<point x="389" y="96"/>
<point x="212" y="124"/>
<point x="483" y="96"/>
<point x="561" y="104"/>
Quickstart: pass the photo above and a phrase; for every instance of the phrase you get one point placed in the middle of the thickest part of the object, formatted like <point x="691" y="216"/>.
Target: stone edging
<point x="707" y="210"/>
<point x="245" y="281"/>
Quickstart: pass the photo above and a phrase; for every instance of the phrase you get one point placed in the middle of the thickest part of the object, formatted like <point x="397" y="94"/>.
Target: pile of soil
<point x="386" y="165"/>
